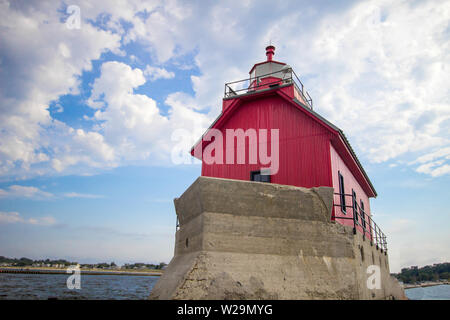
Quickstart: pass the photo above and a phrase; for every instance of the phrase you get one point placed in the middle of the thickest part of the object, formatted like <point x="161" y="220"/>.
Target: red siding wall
<point x="304" y="144"/>
<point x="338" y="165"/>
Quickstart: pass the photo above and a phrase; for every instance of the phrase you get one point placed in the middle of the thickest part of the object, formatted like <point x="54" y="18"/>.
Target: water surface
<point x="45" y="286"/>
<point x="441" y="292"/>
<point x="94" y="287"/>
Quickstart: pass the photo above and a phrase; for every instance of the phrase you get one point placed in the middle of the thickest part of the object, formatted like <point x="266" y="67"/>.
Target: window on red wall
<point x="342" y="193"/>
<point x="355" y="205"/>
<point x="363" y="214"/>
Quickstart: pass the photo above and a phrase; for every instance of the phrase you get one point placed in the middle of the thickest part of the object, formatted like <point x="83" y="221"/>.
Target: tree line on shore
<point x="60" y="263"/>
<point x="414" y="274"/>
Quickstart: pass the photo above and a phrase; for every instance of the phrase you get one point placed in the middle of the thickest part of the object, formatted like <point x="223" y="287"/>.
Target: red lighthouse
<point x="311" y="151"/>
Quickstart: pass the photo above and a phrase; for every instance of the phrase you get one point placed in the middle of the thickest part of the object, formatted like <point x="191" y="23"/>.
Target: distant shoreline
<point x="49" y="270"/>
<point x="425" y="284"/>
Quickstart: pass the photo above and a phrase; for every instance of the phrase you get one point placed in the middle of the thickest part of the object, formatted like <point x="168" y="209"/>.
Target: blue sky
<point x="88" y="114"/>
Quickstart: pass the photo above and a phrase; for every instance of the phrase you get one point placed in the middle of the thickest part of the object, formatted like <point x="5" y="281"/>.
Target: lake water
<point x="429" y="293"/>
<point x="44" y="286"/>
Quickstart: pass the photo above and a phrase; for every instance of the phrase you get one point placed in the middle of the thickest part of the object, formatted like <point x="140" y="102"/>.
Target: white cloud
<point x="434" y="163"/>
<point x="435" y="169"/>
<point x="29" y="192"/>
<point x="132" y="123"/>
<point x="16" y="191"/>
<point x="442" y="153"/>
<point x="82" y="195"/>
<point x="87" y="148"/>
<point x="377" y="69"/>
<point x="155" y="73"/>
<point x="40" y="60"/>
<point x="15" y="217"/>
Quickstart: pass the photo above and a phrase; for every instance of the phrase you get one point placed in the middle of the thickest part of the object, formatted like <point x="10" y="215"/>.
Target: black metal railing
<point x="362" y="222"/>
<point x="254" y="84"/>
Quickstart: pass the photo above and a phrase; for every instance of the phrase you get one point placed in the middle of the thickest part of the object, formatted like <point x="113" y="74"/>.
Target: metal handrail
<point x="303" y="91"/>
<point x="363" y="220"/>
<point x="291" y="78"/>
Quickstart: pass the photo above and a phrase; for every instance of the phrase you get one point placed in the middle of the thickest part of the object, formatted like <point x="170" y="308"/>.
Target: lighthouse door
<point x="257" y="176"/>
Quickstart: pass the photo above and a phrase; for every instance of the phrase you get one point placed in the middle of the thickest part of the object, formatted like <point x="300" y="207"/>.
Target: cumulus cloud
<point x="377" y="69"/>
<point x="34" y="193"/>
<point x="40" y="60"/>
<point x="155" y="73"/>
<point x="15" y="217"/>
<point x="131" y="122"/>
<point x="85" y="148"/>
<point x="16" y="191"/>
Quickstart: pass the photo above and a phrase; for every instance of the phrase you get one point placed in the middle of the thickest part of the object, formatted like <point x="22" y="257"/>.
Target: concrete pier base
<point x="249" y="240"/>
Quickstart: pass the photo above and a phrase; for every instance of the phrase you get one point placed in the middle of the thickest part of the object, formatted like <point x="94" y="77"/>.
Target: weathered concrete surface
<point x="250" y="240"/>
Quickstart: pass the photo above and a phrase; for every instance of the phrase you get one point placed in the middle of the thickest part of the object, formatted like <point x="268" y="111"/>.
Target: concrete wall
<point x="250" y="240"/>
